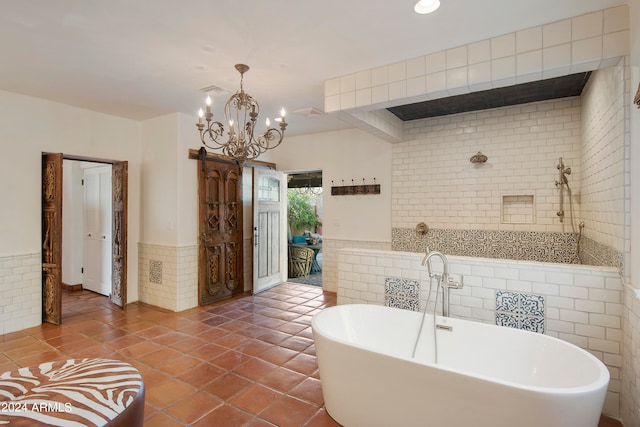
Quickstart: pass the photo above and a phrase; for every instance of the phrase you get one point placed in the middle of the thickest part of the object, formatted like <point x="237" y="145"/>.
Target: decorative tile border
<point x="520" y="311"/>
<point x="594" y="253"/>
<point x="517" y="245"/>
<point x="402" y="293"/>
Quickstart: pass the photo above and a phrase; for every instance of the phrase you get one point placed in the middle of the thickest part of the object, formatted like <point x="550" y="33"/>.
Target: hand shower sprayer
<point x="560" y="183"/>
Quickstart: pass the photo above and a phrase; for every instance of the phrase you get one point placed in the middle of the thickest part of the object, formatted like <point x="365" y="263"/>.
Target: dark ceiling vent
<point x="559" y="87"/>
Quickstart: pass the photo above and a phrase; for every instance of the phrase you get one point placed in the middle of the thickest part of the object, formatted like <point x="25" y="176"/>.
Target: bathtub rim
<point x="601" y="382"/>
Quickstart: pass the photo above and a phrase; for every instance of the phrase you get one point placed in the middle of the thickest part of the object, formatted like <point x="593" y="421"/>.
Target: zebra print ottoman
<point x="80" y="392"/>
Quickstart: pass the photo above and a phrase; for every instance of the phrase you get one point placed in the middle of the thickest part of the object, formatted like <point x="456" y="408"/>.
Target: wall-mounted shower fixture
<point x="560" y="183"/>
<point x="576" y="258"/>
<point x="422" y="228"/>
<point x="478" y="158"/>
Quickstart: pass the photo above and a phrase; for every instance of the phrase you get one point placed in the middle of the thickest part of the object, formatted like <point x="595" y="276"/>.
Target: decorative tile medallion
<point x="520" y="311"/>
<point x="155" y="272"/>
<point x="402" y="293"/>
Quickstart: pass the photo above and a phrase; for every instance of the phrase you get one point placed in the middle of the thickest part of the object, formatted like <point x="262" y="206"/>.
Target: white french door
<point x="269" y="228"/>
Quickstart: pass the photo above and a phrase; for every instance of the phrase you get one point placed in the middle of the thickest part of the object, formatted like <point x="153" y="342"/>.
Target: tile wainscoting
<point x="631" y="358"/>
<point x="20" y="292"/>
<point x="168" y="276"/>
<point x="330" y="249"/>
<point x="582" y="304"/>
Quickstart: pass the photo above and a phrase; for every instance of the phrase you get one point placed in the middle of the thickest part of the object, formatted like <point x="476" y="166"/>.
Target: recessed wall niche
<point x="518" y="209"/>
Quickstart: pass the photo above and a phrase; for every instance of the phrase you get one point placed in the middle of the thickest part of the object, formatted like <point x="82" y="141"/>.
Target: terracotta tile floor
<point x="245" y="362"/>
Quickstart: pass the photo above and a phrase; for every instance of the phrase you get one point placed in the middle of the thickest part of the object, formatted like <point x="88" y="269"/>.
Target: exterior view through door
<point x="305" y="209"/>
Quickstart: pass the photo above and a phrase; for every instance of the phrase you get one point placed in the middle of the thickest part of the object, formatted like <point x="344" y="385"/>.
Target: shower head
<point x="567" y="171"/>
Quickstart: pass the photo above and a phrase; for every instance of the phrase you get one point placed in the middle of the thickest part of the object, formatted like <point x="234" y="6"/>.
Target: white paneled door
<point x="97" y="230"/>
<point x="269" y="228"/>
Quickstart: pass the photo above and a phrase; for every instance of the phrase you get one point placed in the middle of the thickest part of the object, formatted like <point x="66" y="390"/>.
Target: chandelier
<point x="241" y="113"/>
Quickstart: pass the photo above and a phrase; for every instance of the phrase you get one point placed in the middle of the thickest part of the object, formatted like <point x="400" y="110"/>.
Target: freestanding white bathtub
<point x="486" y="375"/>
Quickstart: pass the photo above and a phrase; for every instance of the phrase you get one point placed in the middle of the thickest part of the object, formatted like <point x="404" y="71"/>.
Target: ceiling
<point x="148" y="58"/>
<point x="559" y="87"/>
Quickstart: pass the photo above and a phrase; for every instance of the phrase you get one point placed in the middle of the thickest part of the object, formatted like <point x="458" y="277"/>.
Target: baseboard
<point x="67" y="287"/>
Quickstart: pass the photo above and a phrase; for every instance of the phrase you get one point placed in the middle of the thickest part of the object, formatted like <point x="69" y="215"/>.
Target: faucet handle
<point x="453" y="284"/>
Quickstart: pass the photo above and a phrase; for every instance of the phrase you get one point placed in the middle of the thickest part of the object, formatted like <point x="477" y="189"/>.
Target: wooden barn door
<point x="220" y="263"/>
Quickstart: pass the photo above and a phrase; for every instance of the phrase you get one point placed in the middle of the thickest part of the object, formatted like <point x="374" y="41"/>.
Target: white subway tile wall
<point x="434" y="181"/>
<point x="330" y="249"/>
<point x="187" y="277"/>
<point x="518" y="209"/>
<point x="583" y="305"/>
<point x="602" y="157"/>
<point x="582" y="43"/>
<point x="20" y="292"/>
<point x="631" y="359"/>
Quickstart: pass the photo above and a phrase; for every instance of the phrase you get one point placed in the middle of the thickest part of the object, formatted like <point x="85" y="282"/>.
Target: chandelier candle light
<point x="241" y="113"/>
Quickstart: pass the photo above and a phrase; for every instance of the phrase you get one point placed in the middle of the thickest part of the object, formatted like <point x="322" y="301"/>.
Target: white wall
<point x="168" y="244"/>
<point x="344" y="155"/>
<point x="30" y="126"/>
<point x="187" y="181"/>
<point x="169" y="180"/>
<point x="348" y="220"/>
<point x="158" y="181"/>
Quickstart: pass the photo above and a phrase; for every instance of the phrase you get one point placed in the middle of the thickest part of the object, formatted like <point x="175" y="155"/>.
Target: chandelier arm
<point x="213" y="131"/>
<point x="265" y="141"/>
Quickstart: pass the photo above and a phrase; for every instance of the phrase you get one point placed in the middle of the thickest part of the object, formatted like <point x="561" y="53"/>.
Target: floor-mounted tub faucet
<point x="443" y="279"/>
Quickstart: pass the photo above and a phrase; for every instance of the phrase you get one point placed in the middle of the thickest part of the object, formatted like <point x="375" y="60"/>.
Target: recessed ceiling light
<point x="426" y="6"/>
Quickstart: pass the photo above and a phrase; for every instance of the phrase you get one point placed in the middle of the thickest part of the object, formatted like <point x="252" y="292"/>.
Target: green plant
<point x="301" y="211"/>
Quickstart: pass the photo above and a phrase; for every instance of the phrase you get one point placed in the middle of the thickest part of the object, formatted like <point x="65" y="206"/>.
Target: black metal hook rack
<point x="355" y="189"/>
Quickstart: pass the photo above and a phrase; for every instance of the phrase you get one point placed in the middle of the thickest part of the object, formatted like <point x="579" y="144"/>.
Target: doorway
<point x="52" y="232"/>
<point x="86" y="226"/>
<point x="305" y="211"/>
